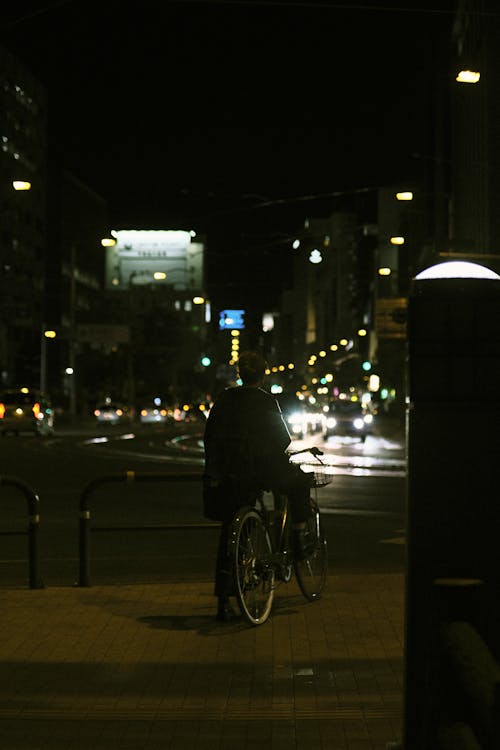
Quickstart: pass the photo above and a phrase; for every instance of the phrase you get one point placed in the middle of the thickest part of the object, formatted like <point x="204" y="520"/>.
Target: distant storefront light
<point x="267" y="322"/>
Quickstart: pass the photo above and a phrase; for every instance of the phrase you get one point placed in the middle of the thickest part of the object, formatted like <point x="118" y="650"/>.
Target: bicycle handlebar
<point x="315" y="451"/>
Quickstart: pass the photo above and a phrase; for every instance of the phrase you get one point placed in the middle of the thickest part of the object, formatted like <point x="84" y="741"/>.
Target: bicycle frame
<point x="259" y="546"/>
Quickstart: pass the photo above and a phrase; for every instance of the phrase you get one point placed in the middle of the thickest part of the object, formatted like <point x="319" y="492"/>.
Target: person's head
<point x="251" y="367"/>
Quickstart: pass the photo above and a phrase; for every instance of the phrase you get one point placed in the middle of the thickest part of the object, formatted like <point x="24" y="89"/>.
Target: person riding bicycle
<point x="245" y="442"/>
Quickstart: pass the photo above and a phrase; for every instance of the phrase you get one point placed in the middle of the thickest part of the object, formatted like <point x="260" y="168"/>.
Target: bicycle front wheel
<point x="253" y="572"/>
<point x="312" y="571"/>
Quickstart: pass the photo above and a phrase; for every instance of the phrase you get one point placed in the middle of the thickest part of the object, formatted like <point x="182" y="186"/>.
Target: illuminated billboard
<point x="231" y="319"/>
<point x="147" y="256"/>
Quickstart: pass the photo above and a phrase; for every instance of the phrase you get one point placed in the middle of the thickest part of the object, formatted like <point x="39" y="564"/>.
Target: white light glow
<point x="457" y="269"/>
<point x="174" y="239"/>
<point x="315" y="256"/>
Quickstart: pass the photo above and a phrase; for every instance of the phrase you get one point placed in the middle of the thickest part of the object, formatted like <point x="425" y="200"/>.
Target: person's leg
<point x="300" y="511"/>
<point x="224" y="585"/>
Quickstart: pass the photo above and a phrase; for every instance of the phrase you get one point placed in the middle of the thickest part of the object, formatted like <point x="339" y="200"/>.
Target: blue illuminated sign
<point x="229" y="319"/>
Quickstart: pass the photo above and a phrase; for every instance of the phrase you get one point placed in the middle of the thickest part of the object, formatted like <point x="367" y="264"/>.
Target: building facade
<point x="23" y="234"/>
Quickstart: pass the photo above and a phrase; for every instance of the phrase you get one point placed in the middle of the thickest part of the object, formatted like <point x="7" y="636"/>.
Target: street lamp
<point x="468" y="76"/>
<point x="21" y="185"/>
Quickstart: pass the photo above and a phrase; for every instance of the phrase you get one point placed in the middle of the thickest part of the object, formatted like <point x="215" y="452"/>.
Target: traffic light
<point x="367" y="366"/>
<point x="206" y="361"/>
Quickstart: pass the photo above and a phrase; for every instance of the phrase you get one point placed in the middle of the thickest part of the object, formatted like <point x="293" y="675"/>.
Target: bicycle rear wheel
<point x="253" y="573"/>
<point x="312" y="571"/>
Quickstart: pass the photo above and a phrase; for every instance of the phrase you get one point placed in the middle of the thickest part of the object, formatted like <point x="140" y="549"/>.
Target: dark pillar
<point x="453" y="497"/>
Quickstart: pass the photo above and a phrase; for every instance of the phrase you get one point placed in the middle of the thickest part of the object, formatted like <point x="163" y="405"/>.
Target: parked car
<point x="26" y="410"/>
<point x="349" y="418"/>
<point x="112" y="413"/>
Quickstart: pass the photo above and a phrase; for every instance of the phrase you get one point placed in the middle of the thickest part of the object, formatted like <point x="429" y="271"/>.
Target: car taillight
<point x="96" y="413"/>
<point x="2" y="410"/>
<point x="36" y="409"/>
<point x="144" y="413"/>
<point x="119" y="412"/>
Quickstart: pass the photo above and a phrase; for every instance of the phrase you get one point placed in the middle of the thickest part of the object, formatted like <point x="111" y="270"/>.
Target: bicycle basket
<point x="320" y="478"/>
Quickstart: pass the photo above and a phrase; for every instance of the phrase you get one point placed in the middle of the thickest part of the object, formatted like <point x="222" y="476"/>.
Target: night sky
<point x="201" y="114"/>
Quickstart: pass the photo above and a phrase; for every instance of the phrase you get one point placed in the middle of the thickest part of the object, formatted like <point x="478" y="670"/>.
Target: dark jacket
<point x="246" y="436"/>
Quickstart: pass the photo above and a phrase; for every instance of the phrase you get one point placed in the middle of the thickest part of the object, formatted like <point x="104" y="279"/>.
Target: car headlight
<point x="331" y="422"/>
<point x="368" y="418"/>
<point x="359" y="423"/>
<point x="295" y="418"/>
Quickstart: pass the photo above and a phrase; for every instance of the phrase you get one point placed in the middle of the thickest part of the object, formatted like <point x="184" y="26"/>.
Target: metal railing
<point x="32" y="532"/>
<point x="128" y="477"/>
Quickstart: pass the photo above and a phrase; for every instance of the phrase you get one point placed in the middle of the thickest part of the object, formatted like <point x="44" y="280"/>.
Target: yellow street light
<point x="50" y="334"/>
<point x="362" y="332"/>
<point x="397" y="240"/>
<point x="343" y="342"/>
<point x="159" y="275"/>
<point x="405" y="195"/>
<point x="198" y="300"/>
<point x="468" y="76"/>
<point x="384" y="271"/>
<point x="21" y="185"/>
<point x="108" y="242"/>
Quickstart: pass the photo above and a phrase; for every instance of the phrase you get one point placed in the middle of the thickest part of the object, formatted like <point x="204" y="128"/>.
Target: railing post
<point x="33" y="541"/>
<point x="85" y="514"/>
<point x="84" y="542"/>
<point x="35" y="581"/>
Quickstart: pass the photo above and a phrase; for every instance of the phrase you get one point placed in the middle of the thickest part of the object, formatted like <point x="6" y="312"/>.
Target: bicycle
<point x="262" y="556"/>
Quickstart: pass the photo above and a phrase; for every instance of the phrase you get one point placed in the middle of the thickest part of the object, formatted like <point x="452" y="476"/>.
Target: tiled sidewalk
<point x="147" y="666"/>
